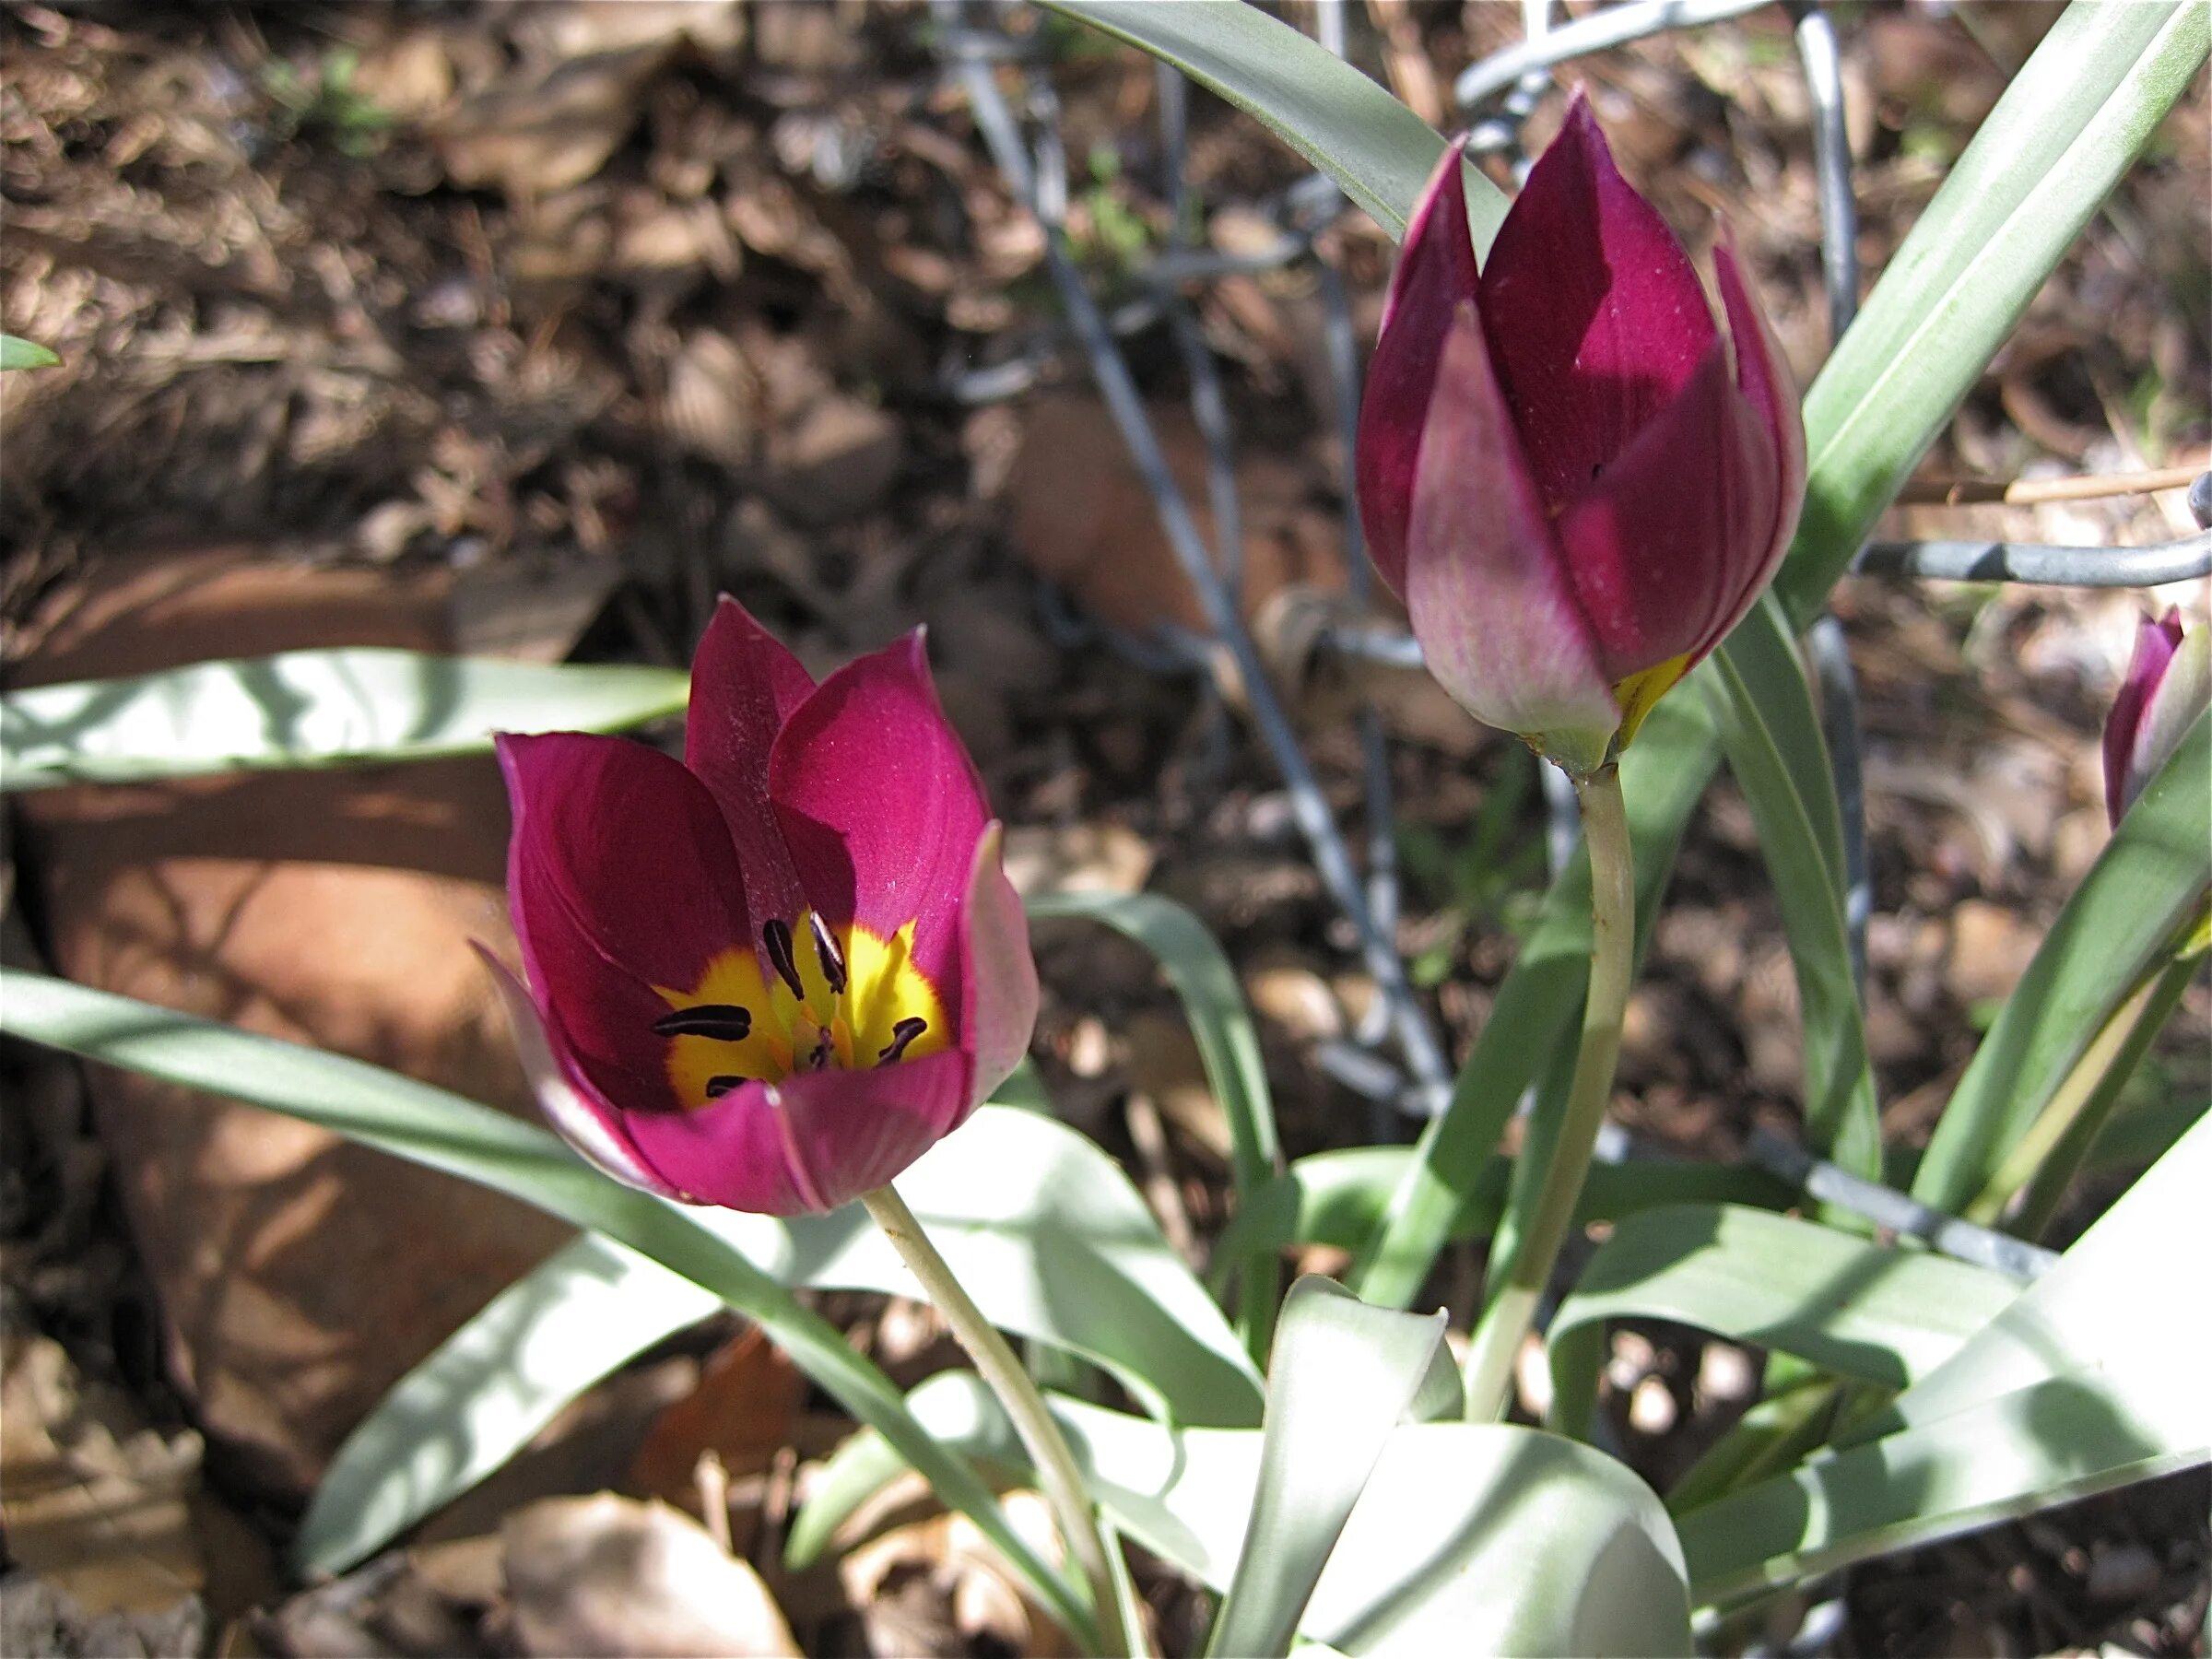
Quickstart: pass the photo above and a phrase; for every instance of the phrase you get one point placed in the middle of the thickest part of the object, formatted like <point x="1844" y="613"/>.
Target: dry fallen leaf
<point x="936" y="1586"/>
<point x="93" y="1502"/>
<point x="742" y="1411"/>
<point x="609" y="1575"/>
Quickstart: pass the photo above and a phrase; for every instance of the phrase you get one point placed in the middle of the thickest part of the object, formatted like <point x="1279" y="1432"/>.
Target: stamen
<point x="726" y="1022"/>
<point x="905" y="1032"/>
<point x="718" y="1087"/>
<point x="776" y="935"/>
<point x="826" y="953"/>
<point x="823" y="1048"/>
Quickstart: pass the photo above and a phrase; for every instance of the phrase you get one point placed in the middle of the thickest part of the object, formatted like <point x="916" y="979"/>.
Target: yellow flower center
<point x="835" y="996"/>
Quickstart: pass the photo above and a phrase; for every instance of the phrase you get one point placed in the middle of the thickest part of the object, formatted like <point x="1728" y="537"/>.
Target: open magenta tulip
<point x="772" y="976"/>
<point x="1560" y="471"/>
<point x="2168" y="684"/>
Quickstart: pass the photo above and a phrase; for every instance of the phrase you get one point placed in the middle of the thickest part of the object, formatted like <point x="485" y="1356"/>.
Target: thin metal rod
<point x="1899" y="1212"/>
<point x="1341" y="345"/>
<point x="1831" y="158"/>
<point x="1424" y="1055"/>
<point x="2181" y="560"/>
<point x="1616" y="26"/>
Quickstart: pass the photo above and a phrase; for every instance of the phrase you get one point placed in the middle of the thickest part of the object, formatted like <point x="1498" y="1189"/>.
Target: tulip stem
<point x="1527" y="1258"/>
<point x="1057" y="1471"/>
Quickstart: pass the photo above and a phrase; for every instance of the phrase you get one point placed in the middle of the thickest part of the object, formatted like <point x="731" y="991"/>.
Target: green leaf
<point x="309" y="708"/>
<point x="2115" y="928"/>
<point x="1475" y="1538"/>
<point x="1868" y="1311"/>
<point x="1662" y="777"/>
<point x="1047" y="1234"/>
<point x="2092" y="1377"/>
<point x="442" y="1131"/>
<point x="583" y="1313"/>
<point x="2068" y="128"/>
<point x="1342" y="1377"/>
<point x="17" y="353"/>
<point x="1321" y="107"/>
<point x="1339" y="1198"/>
<point x="1757" y="693"/>
<point x="1021" y="1206"/>
<point x="1228" y="1047"/>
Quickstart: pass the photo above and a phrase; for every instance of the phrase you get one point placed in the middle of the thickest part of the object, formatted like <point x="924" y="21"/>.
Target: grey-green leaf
<point x="2092" y="1377"/>
<point x="1873" y="1312"/>
<point x="1470" y="1538"/>
<point x="1021" y="1207"/>
<point x="1764" y="713"/>
<point x="1342" y="1376"/>
<point x="1343" y="123"/>
<point x="2068" y="127"/>
<point x="1228" y="1047"/>
<point x="430" y="1126"/>
<point x="19" y="353"/>
<point x="310" y="708"/>
<point x="583" y="1313"/>
<point x="2115" y="928"/>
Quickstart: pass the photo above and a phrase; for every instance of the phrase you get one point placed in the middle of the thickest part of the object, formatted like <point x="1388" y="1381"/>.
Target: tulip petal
<point x="1594" y="313"/>
<point x="620" y="879"/>
<point x="882" y="809"/>
<point x="1490" y="598"/>
<point x="1674" y="539"/>
<point x="813" y="1141"/>
<point x="2181" y="694"/>
<point x="1435" y="273"/>
<point x="1000" y="973"/>
<point x="577" y="1110"/>
<point x="744" y="685"/>
<point x="2128" y="728"/>
<point x="1762" y="375"/>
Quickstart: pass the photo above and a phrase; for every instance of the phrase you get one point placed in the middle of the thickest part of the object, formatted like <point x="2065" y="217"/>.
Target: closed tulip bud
<point x="2168" y="684"/>
<point x="1560" y="471"/>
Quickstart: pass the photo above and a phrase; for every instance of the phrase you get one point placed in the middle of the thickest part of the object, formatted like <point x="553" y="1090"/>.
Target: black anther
<point x="905" y="1032"/>
<point x="726" y="1022"/>
<point x="777" y="937"/>
<point x="826" y="953"/>
<point x="718" y="1087"/>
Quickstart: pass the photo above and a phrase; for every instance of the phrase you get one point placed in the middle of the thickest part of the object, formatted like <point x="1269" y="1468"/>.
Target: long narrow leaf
<point x="1228" y="1047"/>
<point x="1343" y="1375"/>
<point x="1022" y="1208"/>
<point x="309" y="708"/>
<point x="581" y="1315"/>
<point x="1474" y="1538"/>
<point x="2068" y="128"/>
<point x="430" y="1126"/>
<point x="2089" y="1379"/>
<point x="1842" y="1116"/>
<point x="1339" y="1197"/>
<point x="1864" y="1311"/>
<point x="1343" y="123"/>
<point x="2150" y="878"/>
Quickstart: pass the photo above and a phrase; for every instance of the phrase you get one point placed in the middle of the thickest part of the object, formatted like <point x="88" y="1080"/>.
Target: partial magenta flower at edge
<point x="1559" y="471"/>
<point x="2168" y="684"/>
<point x="772" y="976"/>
